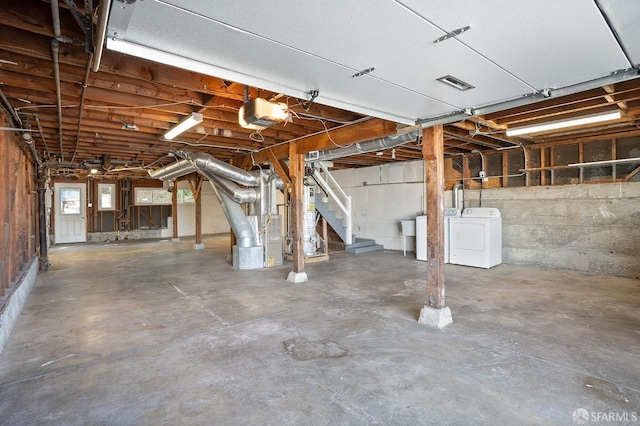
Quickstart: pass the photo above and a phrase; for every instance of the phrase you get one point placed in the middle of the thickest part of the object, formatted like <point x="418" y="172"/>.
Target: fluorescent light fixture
<point x="184" y="125"/>
<point x="554" y="125"/>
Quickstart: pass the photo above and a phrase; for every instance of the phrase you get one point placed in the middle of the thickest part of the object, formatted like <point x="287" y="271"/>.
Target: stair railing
<point x="341" y="199"/>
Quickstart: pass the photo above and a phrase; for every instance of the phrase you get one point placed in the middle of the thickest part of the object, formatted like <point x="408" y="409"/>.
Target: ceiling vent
<point x="455" y="82"/>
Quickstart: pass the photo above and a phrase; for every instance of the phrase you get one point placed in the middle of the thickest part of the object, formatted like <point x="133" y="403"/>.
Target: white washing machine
<point x="421" y="234"/>
<point x="476" y="238"/>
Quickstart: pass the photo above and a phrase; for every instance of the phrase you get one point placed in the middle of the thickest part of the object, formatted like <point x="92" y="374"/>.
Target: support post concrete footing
<point x="435" y="318"/>
<point x="198" y="246"/>
<point x="175" y="240"/>
<point x="297" y="277"/>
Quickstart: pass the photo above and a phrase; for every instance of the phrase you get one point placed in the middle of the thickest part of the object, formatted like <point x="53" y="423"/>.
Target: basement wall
<point x="213" y="219"/>
<point x="593" y="228"/>
<point x="18" y="228"/>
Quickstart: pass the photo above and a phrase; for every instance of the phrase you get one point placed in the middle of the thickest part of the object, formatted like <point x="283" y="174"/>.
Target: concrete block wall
<point x="14" y="302"/>
<point x="593" y="228"/>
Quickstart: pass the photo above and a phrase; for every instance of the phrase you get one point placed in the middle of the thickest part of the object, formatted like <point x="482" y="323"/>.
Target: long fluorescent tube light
<point x="184" y="125"/>
<point x="590" y="119"/>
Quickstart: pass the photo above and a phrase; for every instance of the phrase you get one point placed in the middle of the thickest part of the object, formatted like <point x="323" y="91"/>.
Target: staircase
<point x="351" y="243"/>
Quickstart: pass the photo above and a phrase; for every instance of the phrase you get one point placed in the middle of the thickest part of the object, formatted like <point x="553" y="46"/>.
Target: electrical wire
<point x="190" y="102"/>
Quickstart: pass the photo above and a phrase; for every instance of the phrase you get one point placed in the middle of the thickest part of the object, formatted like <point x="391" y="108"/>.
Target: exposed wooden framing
<point x="154" y="97"/>
<point x="630" y="176"/>
<point x="465" y="172"/>
<point x="543" y="163"/>
<point x="433" y="153"/>
<point x="505" y="169"/>
<point x="552" y="163"/>
<point x="282" y="170"/>
<point x="296" y="174"/>
<point x="614" y="156"/>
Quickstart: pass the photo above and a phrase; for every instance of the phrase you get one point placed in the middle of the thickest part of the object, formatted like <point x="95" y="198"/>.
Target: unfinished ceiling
<point x="375" y="65"/>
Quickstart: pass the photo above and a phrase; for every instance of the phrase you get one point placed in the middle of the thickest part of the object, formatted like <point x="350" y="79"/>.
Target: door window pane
<point x="70" y="200"/>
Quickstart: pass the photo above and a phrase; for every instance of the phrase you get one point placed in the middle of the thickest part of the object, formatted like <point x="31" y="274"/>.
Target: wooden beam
<point x="296" y="174"/>
<point x="433" y="154"/>
<point x="635" y="171"/>
<point x="282" y="170"/>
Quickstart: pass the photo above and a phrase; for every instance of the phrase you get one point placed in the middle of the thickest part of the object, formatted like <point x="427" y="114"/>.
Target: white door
<point x="70" y="212"/>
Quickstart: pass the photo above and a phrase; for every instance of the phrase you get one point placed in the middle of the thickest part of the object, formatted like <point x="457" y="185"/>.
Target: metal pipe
<point x="28" y="139"/>
<point x="55" y="49"/>
<point x="81" y="107"/>
<point x="55" y="14"/>
<point x="10" y="110"/>
<point x="369" y="146"/>
<point x="456" y="199"/>
<point x="105" y="6"/>
<point x="42" y="213"/>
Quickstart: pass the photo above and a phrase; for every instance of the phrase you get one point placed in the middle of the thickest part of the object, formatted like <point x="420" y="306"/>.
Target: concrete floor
<point x="157" y="333"/>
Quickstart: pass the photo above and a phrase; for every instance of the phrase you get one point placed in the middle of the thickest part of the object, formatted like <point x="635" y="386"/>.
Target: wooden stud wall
<point x="18" y="229"/>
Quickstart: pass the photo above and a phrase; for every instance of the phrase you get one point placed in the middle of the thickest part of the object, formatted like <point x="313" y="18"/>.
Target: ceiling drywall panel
<point x="624" y="17"/>
<point x="375" y="33"/>
<point x="545" y="43"/>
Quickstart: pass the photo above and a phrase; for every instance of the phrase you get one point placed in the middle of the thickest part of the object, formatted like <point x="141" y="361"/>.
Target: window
<point x="70" y="200"/>
<point x="185" y="196"/>
<point x="152" y="196"/>
<point x="106" y="196"/>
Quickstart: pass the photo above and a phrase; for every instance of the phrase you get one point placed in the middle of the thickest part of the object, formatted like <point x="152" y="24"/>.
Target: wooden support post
<point x="543" y="163"/>
<point x="614" y="156"/>
<point x="434" y="313"/>
<point x="433" y="153"/>
<point x="505" y="169"/>
<point x="296" y="175"/>
<point x="527" y="164"/>
<point x="198" y="200"/>
<point x="174" y="213"/>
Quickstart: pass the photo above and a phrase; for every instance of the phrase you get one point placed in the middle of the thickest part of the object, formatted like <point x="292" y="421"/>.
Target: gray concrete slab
<point x="157" y="333"/>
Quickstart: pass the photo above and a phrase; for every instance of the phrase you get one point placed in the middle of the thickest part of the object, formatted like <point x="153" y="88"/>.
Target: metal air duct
<point x="204" y="161"/>
<point x="369" y="146"/>
<point x="173" y="171"/>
